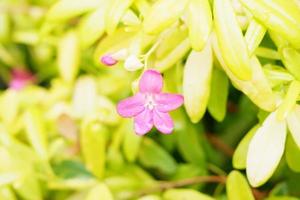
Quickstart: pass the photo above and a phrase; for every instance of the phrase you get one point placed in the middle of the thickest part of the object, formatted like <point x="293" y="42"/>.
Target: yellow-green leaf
<point x="99" y="191"/>
<point x="93" y="139"/>
<point x="240" y="153"/>
<point x="217" y="104"/>
<point x="196" y="82"/>
<point x="291" y="60"/>
<point x="66" y="9"/>
<point x="293" y="121"/>
<point x="280" y="16"/>
<point x="163" y="14"/>
<point x="199" y="22"/>
<point x="254" y="35"/>
<point x="68" y="56"/>
<point x="115" y="11"/>
<point x="36" y="132"/>
<point x="231" y="40"/>
<point x="265" y="150"/>
<point x="182" y="194"/>
<point x="237" y="187"/>
<point x="292" y="152"/>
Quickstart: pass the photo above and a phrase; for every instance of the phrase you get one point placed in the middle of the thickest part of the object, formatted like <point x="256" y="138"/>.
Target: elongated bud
<point x="236" y="180"/>
<point x="196" y="82"/>
<point x="291" y="60"/>
<point x="293" y="121"/>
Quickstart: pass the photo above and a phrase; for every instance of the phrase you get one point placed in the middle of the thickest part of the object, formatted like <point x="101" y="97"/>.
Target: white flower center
<point x="150" y="103"/>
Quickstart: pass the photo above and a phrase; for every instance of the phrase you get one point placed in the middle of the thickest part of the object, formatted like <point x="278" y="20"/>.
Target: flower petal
<point x="167" y="102"/>
<point x="163" y="122"/>
<point x="143" y="122"/>
<point x="151" y="82"/>
<point x="131" y="106"/>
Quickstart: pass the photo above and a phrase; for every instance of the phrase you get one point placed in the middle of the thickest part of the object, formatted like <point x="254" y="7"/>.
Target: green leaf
<point x="68" y="56"/>
<point x="230" y="37"/>
<point x="172" y="38"/>
<point x="240" y="153"/>
<point x="282" y="17"/>
<point x="152" y="155"/>
<point x="93" y="141"/>
<point x="254" y="35"/>
<point x="173" y="57"/>
<point x="115" y="11"/>
<point x="291" y="60"/>
<point x="91" y="28"/>
<point x="292" y="153"/>
<point x="189" y="145"/>
<point x="28" y="187"/>
<point x="237" y="187"/>
<point x="293" y="121"/>
<point x="182" y="194"/>
<point x="132" y="142"/>
<point x="217" y="103"/>
<point x="265" y="150"/>
<point x="36" y="132"/>
<point x="157" y="19"/>
<point x="196" y="82"/>
<point x="99" y="190"/>
<point x="199" y="22"/>
<point x="7" y="193"/>
<point x="66" y="9"/>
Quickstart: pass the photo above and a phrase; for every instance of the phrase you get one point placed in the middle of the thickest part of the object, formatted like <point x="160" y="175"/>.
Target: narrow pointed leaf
<point x="265" y="150"/>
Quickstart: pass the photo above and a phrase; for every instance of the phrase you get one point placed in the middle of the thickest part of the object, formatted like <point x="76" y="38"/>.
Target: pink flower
<point x="20" y="78"/>
<point x="150" y="106"/>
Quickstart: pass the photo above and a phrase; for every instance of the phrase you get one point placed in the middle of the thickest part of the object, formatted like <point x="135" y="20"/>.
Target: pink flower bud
<point x="108" y="60"/>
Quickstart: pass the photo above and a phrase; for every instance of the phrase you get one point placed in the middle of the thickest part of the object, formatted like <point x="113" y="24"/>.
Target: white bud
<point x="132" y="63"/>
<point x="120" y="55"/>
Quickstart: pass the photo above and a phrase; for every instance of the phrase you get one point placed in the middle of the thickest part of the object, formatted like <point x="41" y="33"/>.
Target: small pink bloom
<point x="150" y="106"/>
<point x="108" y="60"/>
<point x="20" y="78"/>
